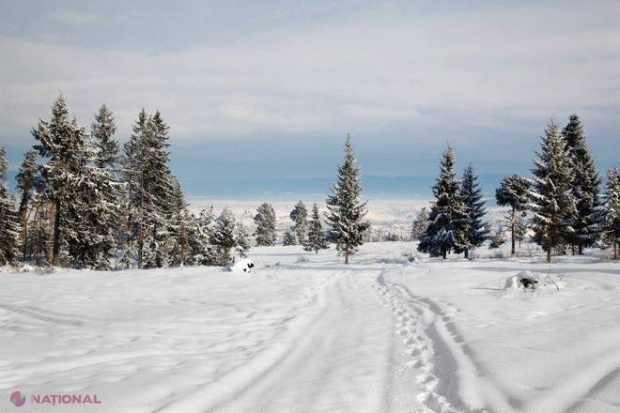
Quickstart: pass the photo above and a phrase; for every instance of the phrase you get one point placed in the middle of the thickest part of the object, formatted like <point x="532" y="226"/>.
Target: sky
<point x="270" y="89"/>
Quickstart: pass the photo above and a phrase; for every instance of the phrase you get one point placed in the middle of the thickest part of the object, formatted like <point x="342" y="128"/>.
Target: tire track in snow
<point x="331" y="359"/>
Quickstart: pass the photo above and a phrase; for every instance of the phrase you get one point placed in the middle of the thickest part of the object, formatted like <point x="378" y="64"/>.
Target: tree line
<point x="568" y="209"/>
<point x="86" y="201"/>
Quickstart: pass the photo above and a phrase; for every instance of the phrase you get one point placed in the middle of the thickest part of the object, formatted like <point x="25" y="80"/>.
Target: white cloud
<point x="358" y="72"/>
<point x="74" y="17"/>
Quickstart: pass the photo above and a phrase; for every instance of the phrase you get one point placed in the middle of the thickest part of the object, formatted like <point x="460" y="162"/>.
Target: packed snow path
<point x="380" y="336"/>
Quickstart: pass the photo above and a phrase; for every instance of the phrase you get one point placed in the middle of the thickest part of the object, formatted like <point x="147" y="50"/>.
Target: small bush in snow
<point x="302" y="259"/>
<point x="411" y="255"/>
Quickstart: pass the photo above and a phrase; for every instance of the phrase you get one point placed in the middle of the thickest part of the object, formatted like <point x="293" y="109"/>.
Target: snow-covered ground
<point x="305" y="333"/>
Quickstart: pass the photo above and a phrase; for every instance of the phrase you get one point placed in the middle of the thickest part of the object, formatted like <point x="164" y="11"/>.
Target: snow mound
<point x="242" y="265"/>
<point x="517" y="280"/>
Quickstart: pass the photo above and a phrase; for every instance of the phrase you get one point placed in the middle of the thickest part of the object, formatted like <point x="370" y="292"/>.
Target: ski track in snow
<point x="378" y="336"/>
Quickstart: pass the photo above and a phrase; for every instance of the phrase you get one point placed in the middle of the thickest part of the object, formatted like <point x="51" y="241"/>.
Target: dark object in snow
<point x="529" y="283"/>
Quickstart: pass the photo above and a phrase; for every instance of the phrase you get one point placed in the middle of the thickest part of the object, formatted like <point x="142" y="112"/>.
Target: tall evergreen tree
<point x="102" y="132"/>
<point x="316" y="236"/>
<point x="27" y="178"/>
<point x="150" y="200"/>
<point x="444" y="232"/>
<point x="223" y="237"/>
<point x="514" y="192"/>
<point x="58" y="143"/>
<point x="265" y="220"/>
<point x="586" y="186"/>
<point x="552" y="196"/>
<point x="299" y="216"/>
<point x="474" y="233"/>
<point x="346" y="212"/>
<point x="9" y="223"/>
<point x="610" y="211"/>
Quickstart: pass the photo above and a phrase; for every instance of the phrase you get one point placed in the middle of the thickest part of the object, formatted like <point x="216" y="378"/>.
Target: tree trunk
<point x="56" y="234"/>
<point x="548" y="253"/>
<point x="580" y="252"/>
<point x="346" y="256"/>
<point x="466" y="254"/>
<point x="24" y="216"/>
<point x="615" y="250"/>
<point x="513" y="225"/>
<point x="444" y="253"/>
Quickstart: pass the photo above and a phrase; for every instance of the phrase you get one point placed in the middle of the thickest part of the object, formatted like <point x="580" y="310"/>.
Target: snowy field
<point x="304" y="333"/>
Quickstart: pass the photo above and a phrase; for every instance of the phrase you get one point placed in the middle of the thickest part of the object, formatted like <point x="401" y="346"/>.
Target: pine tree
<point x="9" y="222"/>
<point x="58" y="144"/>
<point x="552" y="196"/>
<point x="514" y="192"/>
<point x="106" y="147"/>
<point x="316" y="237"/>
<point x="609" y="212"/>
<point x="346" y="212"/>
<point x="472" y="227"/>
<point x="223" y="237"/>
<point x="289" y="238"/>
<point x="27" y="181"/>
<point x="179" y="226"/>
<point x="265" y="220"/>
<point x="150" y="199"/>
<point x="419" y="224"/>
<point x="444" y="232"/>
<point x="586" y="186"/>
<point x="203" y="252"/>
<point x="242" y="238"/>
<point x="299" y="216"/>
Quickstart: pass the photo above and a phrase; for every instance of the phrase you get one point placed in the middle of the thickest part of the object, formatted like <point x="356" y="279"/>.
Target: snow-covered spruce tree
<point x="179" y="226"/>
<point x="223" y="237"/>
<point x="91" y="216"/>
<point x="59" y="146"/>
<point x="586" y="187"/>
<point x="299" y="216"/>
<point x="553" y="202"/>
<point x="203" y="252"/>
<point x="474" y="233"/>
<point x="150" y="191"/>
<point x="444" y="232"/>
<point x="74" y="188"/>
<point x="265" y="219"/>
<point x="346" y="211"/>
<point x="610" y="211"/>
<point x="26" y="185"/>
<point x="316" y="236"/>
<point x="419" y="224"/>
<point x="513" y="191"/>
<point x="9" y="221"/>
<point x="289" y="238"/>
<point x="243" y="240"/>
<point x="107" y="148"/>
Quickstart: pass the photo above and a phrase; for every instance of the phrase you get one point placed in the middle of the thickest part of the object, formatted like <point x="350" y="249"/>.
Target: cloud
<point x="74" y="17"/>
<point x="366" y="71"/>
